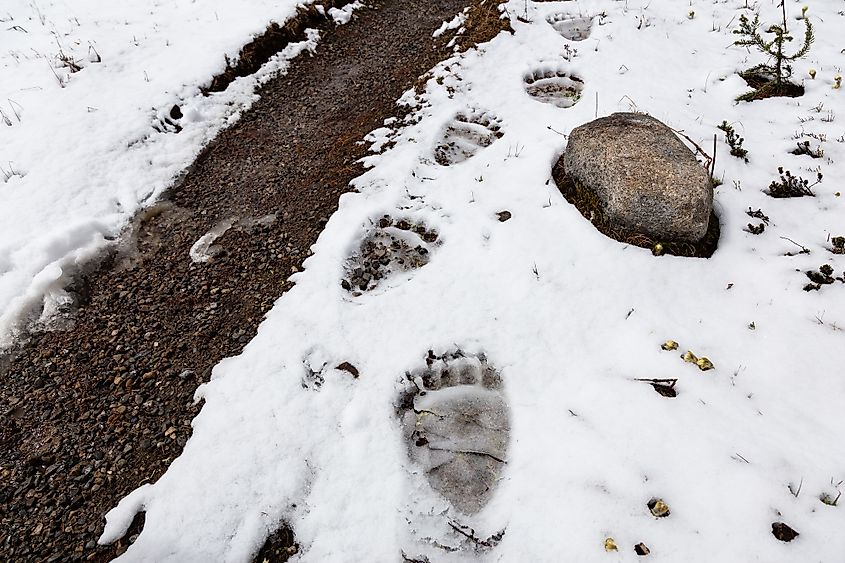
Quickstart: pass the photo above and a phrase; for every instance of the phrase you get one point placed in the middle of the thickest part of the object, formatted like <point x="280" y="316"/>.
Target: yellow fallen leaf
<point x="669" y="345"/>
<point x="610" y="545"/>
<point x="704" y="364"/>
<point x="659" y="508"/>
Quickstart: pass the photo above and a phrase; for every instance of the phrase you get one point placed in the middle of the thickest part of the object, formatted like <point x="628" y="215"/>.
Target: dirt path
<point x="90" y="413"/>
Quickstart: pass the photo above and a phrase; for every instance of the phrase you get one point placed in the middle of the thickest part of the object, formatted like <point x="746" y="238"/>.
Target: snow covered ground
<point x="86" y="87"/>
<point x="569" y="318"/>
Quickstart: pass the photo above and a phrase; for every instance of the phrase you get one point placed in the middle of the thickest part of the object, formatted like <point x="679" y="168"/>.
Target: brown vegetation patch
<point x="766" y="87"/>
<point x="484" y="22"/>
<point x="586" y="201"/>
<point x="279" y="547"/>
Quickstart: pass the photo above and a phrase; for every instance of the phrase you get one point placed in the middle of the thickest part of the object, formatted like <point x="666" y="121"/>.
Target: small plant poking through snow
<point x="773" y="80"/>
<point x="756" y="230"/>
<point x="838" y="245"/>
<point x="758" y="214"/>
<point x="823" y="276"/>
<point x="792" y="186"/>
<point x="734" y="141"/>
<point x="805" y="149"/>
<point x="830" y="500"/>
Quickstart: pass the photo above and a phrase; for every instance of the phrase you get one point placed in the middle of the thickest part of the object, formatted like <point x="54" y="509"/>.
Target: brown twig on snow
<point x="710" y="160"/>
<point x="492" y="541"/>
<point x="668" y="382"/>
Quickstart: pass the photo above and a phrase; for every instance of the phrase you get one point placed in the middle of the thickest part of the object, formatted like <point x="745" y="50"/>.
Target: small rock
<point x="783" y="532"/>
<point x="641" y="549"/>
<point x="185" y="374"/>
<point x="665" y="390"/>
<point x="346" y="366"/>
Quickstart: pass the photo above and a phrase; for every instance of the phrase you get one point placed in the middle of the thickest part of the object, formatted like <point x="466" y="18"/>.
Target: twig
<point x="710" y="160"/>
<point x="713" y="163"/>
<point x="668" y="382"/>
<point x="61" y="82"/>
<point x="500" y="460"/>
<point x="489" y="542"/>
<point x="803" y="248"/>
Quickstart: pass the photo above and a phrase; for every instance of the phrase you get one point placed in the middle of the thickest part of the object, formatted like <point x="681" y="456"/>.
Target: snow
<point x="81" y="152"/>
<point x="342" y="15"/>
<point x="569" y="318"/>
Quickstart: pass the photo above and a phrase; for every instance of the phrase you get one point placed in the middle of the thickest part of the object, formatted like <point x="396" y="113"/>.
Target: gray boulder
<point x="645" y="179"/>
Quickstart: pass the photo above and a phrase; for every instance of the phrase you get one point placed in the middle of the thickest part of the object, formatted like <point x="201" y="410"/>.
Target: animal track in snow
<point x="457" y="423"/>
<point x="168" y="122"/>
<point x="391" y="247"/>
<point x="572" y="27"/>
<point x="554" y="86"/>
<point x="317" y="365"/>
<point x="465" y="136"/>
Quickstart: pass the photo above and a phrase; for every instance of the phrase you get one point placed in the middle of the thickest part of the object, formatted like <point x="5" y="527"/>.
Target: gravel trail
<point x="90" y="412"/>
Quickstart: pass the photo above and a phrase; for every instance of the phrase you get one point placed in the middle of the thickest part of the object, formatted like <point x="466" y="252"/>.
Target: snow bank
<point x="86" y="89"/>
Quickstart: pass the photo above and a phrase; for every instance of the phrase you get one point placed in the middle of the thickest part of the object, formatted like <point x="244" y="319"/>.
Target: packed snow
<point x="86" y="133"/>
<point x="570" y="320"/>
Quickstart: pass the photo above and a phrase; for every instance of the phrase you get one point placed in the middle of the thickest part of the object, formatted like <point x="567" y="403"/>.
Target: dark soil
<point x="91" y="412"/>
<point x="587" y="203"/>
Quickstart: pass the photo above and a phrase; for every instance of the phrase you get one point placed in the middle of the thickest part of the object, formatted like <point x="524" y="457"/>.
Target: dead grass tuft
<point x="484" y="22"/>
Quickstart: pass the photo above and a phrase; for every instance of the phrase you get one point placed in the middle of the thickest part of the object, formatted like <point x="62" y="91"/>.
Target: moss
<point x="590" y="207"/>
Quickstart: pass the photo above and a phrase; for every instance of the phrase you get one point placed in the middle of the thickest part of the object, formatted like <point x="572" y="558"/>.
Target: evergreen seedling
<point x="792" y="186"/>
<point x="734" y="141"/>
<point x="772" y="79"/>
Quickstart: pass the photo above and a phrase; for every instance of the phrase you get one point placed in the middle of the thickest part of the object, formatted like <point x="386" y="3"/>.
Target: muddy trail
<point x="92" y="411"/>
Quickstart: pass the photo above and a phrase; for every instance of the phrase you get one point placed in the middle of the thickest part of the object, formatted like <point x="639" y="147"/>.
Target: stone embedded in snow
<point x="645" y="179"/>
<point x="457" y="425"/>
<point x="783" y="532"/>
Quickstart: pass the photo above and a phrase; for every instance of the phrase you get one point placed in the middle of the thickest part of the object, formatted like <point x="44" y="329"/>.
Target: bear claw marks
<point x="392" y="246"/>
